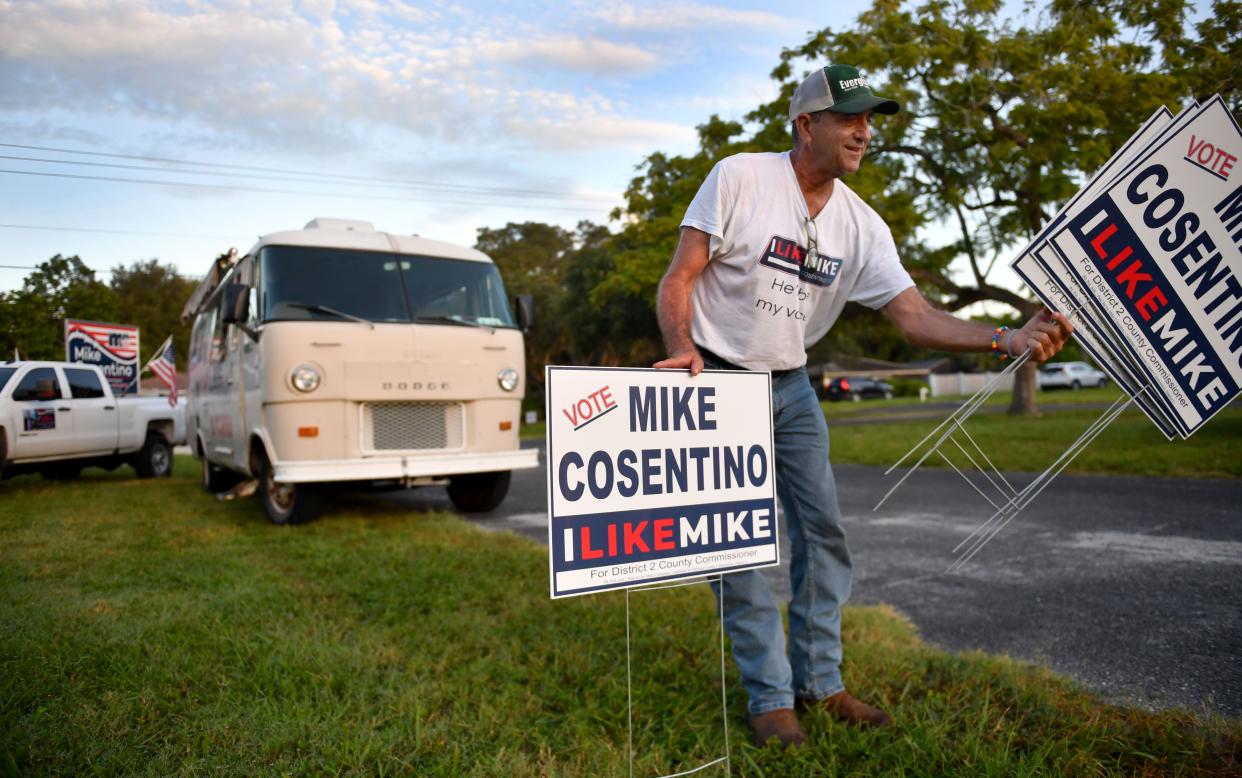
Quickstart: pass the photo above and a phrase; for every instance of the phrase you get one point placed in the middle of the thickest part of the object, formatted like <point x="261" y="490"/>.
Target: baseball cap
<point x="839" y="88"/>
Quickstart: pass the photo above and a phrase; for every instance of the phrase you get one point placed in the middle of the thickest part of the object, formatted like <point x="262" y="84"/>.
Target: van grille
<point x="405" y="426"/>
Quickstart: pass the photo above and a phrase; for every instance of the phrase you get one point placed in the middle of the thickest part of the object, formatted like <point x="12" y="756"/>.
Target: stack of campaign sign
<point x="1146" y="261"/>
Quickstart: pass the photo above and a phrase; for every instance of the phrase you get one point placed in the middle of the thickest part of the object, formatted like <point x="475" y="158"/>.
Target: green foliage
<point x="146" y="294"/>
<point x="1003" y="120"/>
<point x="532" y="258"/>
<point x="152" y="295"/>
<point x="1004" y="117"/>
<point x="147" y="629"/>
<point x="32" y="318"/>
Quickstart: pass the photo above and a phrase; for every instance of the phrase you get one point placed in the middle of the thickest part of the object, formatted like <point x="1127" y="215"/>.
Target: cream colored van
<point x="337" y="353"/>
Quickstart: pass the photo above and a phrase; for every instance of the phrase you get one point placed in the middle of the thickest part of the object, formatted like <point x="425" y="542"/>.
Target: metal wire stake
<point x="629" y="681"/>
<point x="974" y="401"/>
<point x="1037" y="487"/>
<point x="1012" y="492"/>
<point x="967" y="479"/>
<point x="961" y="414"/>
<point x="1007" y="497"/>
<point x="1021" y="500"/>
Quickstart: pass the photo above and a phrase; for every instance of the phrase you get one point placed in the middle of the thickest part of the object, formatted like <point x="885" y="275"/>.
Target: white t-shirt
<point x="763" y="300"/>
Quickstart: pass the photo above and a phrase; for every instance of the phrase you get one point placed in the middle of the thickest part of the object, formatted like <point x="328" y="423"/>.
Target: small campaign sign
<point x="112" y="347"/>
<point x="656" y="476"/>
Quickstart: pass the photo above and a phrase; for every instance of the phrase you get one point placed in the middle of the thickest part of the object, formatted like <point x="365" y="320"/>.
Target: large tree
<point x="1003" y="119"/>
<point x="152" y="295"/>
<point x="531" y="257"/>
<point x="32" y="318"/>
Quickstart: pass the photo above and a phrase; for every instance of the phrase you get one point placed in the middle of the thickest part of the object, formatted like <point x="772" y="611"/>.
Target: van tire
<point x="155" y="460"/>
<point x="286" y="503"/>
<point x="479" y="492"/>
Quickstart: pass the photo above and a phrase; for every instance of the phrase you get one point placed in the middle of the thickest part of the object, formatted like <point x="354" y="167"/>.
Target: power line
<point x="35" y="267"/>
<point x="274" y="190"/>
<point x="259" y="176"/>
<point x="107" y="231"/>
<point x="338" y="177"/>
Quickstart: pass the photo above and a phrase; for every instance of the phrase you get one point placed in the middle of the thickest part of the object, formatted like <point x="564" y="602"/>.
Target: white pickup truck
<point x="59" y="417"/>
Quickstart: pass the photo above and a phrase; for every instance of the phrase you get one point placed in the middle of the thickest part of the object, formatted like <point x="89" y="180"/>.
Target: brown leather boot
<point x="849" y="709"/>
<point x="781" y="724"/>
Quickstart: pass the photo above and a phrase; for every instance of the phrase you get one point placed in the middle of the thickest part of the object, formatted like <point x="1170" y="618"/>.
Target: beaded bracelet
<point x="996" y="349"/>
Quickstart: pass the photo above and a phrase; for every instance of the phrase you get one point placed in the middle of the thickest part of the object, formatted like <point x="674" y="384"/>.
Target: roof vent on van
<point x="352" y="225"/>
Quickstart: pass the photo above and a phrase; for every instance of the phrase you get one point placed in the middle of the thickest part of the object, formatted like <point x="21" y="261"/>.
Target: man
<point x="771" y="249"/>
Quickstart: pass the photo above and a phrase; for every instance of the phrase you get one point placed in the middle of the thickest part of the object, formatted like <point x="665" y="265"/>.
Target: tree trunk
<point x="1023" y="403"/>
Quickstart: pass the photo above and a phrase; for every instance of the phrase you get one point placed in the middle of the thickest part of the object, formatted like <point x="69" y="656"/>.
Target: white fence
<point x="949" y="384"/>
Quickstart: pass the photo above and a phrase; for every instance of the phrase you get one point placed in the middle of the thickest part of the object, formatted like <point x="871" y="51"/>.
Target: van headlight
<point x="305" y="378"/>
<point x="508" y="379"/>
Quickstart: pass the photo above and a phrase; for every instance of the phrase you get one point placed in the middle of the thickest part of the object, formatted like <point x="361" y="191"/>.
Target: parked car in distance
<point x="1070" y="375"/>
<point x="858" y="388"/>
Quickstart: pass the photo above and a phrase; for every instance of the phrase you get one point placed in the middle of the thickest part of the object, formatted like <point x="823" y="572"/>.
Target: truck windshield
<point x="5" y="374"/>
<point x="301" y="283"/>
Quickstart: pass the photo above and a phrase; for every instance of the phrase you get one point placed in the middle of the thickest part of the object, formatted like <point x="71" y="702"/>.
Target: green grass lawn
<point x="148" y="629"/>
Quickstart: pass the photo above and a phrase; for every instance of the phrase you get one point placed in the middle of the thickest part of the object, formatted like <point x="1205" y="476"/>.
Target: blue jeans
<point x="820" y="572"/>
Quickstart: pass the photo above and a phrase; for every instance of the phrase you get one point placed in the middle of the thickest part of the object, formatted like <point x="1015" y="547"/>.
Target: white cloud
<point x="283" y="75"/>
<point x="682" y="16"/>
<point x="586" y="55"/>
<point x="586" y="130"/>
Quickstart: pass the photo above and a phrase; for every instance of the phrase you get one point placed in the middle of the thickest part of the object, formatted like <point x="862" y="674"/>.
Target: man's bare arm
<point x="674" y="307"/>
<point x="923" y="325"/>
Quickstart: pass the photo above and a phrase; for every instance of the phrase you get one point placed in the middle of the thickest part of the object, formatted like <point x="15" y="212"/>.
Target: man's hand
<point x="1045" y="335"/>
<point x="681" y="360"/>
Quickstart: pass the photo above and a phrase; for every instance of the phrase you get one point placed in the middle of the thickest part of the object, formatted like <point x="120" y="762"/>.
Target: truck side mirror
<point x="524" y="304"/>
<point x="235" y="303"/>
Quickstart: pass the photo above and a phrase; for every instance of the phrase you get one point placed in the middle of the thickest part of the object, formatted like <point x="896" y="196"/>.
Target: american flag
<point x="164" y="366"/>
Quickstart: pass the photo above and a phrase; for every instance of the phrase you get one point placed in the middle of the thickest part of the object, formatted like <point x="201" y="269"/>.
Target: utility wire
<point x="107" y="231"/>
<point x="328" y="176"/>
<point x="260" y="176"/>
<point x="33" y="267"/>
<point x="274" y="190"/>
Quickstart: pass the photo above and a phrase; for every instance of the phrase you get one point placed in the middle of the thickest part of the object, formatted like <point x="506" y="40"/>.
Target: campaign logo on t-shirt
<point x="787" y="256"/>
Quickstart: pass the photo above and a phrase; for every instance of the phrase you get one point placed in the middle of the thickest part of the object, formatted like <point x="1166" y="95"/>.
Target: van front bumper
<point x="389" y="467"/>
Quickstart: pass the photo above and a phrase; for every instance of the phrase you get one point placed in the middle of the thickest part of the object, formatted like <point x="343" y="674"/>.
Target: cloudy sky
<point x="134" y="129"/>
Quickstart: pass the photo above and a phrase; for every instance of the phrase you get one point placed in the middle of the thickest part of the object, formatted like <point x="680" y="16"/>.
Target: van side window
<point x="84" y="384"/>
<point x="38" y="384"/>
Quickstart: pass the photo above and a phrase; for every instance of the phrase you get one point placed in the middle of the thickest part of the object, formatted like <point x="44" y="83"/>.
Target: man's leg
<point x="753" y="620"/>
<point x="820" y="570"/>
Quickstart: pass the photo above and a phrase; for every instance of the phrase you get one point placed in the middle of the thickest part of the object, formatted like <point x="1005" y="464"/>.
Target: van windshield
<point x="303" y="283"/>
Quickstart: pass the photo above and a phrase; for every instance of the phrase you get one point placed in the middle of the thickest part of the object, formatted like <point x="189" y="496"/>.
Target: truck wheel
<point x="155" y="460"/>
<point x="478" y="492"/>
<point x="216" y="479"/>
<point x="287" y="503"/>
